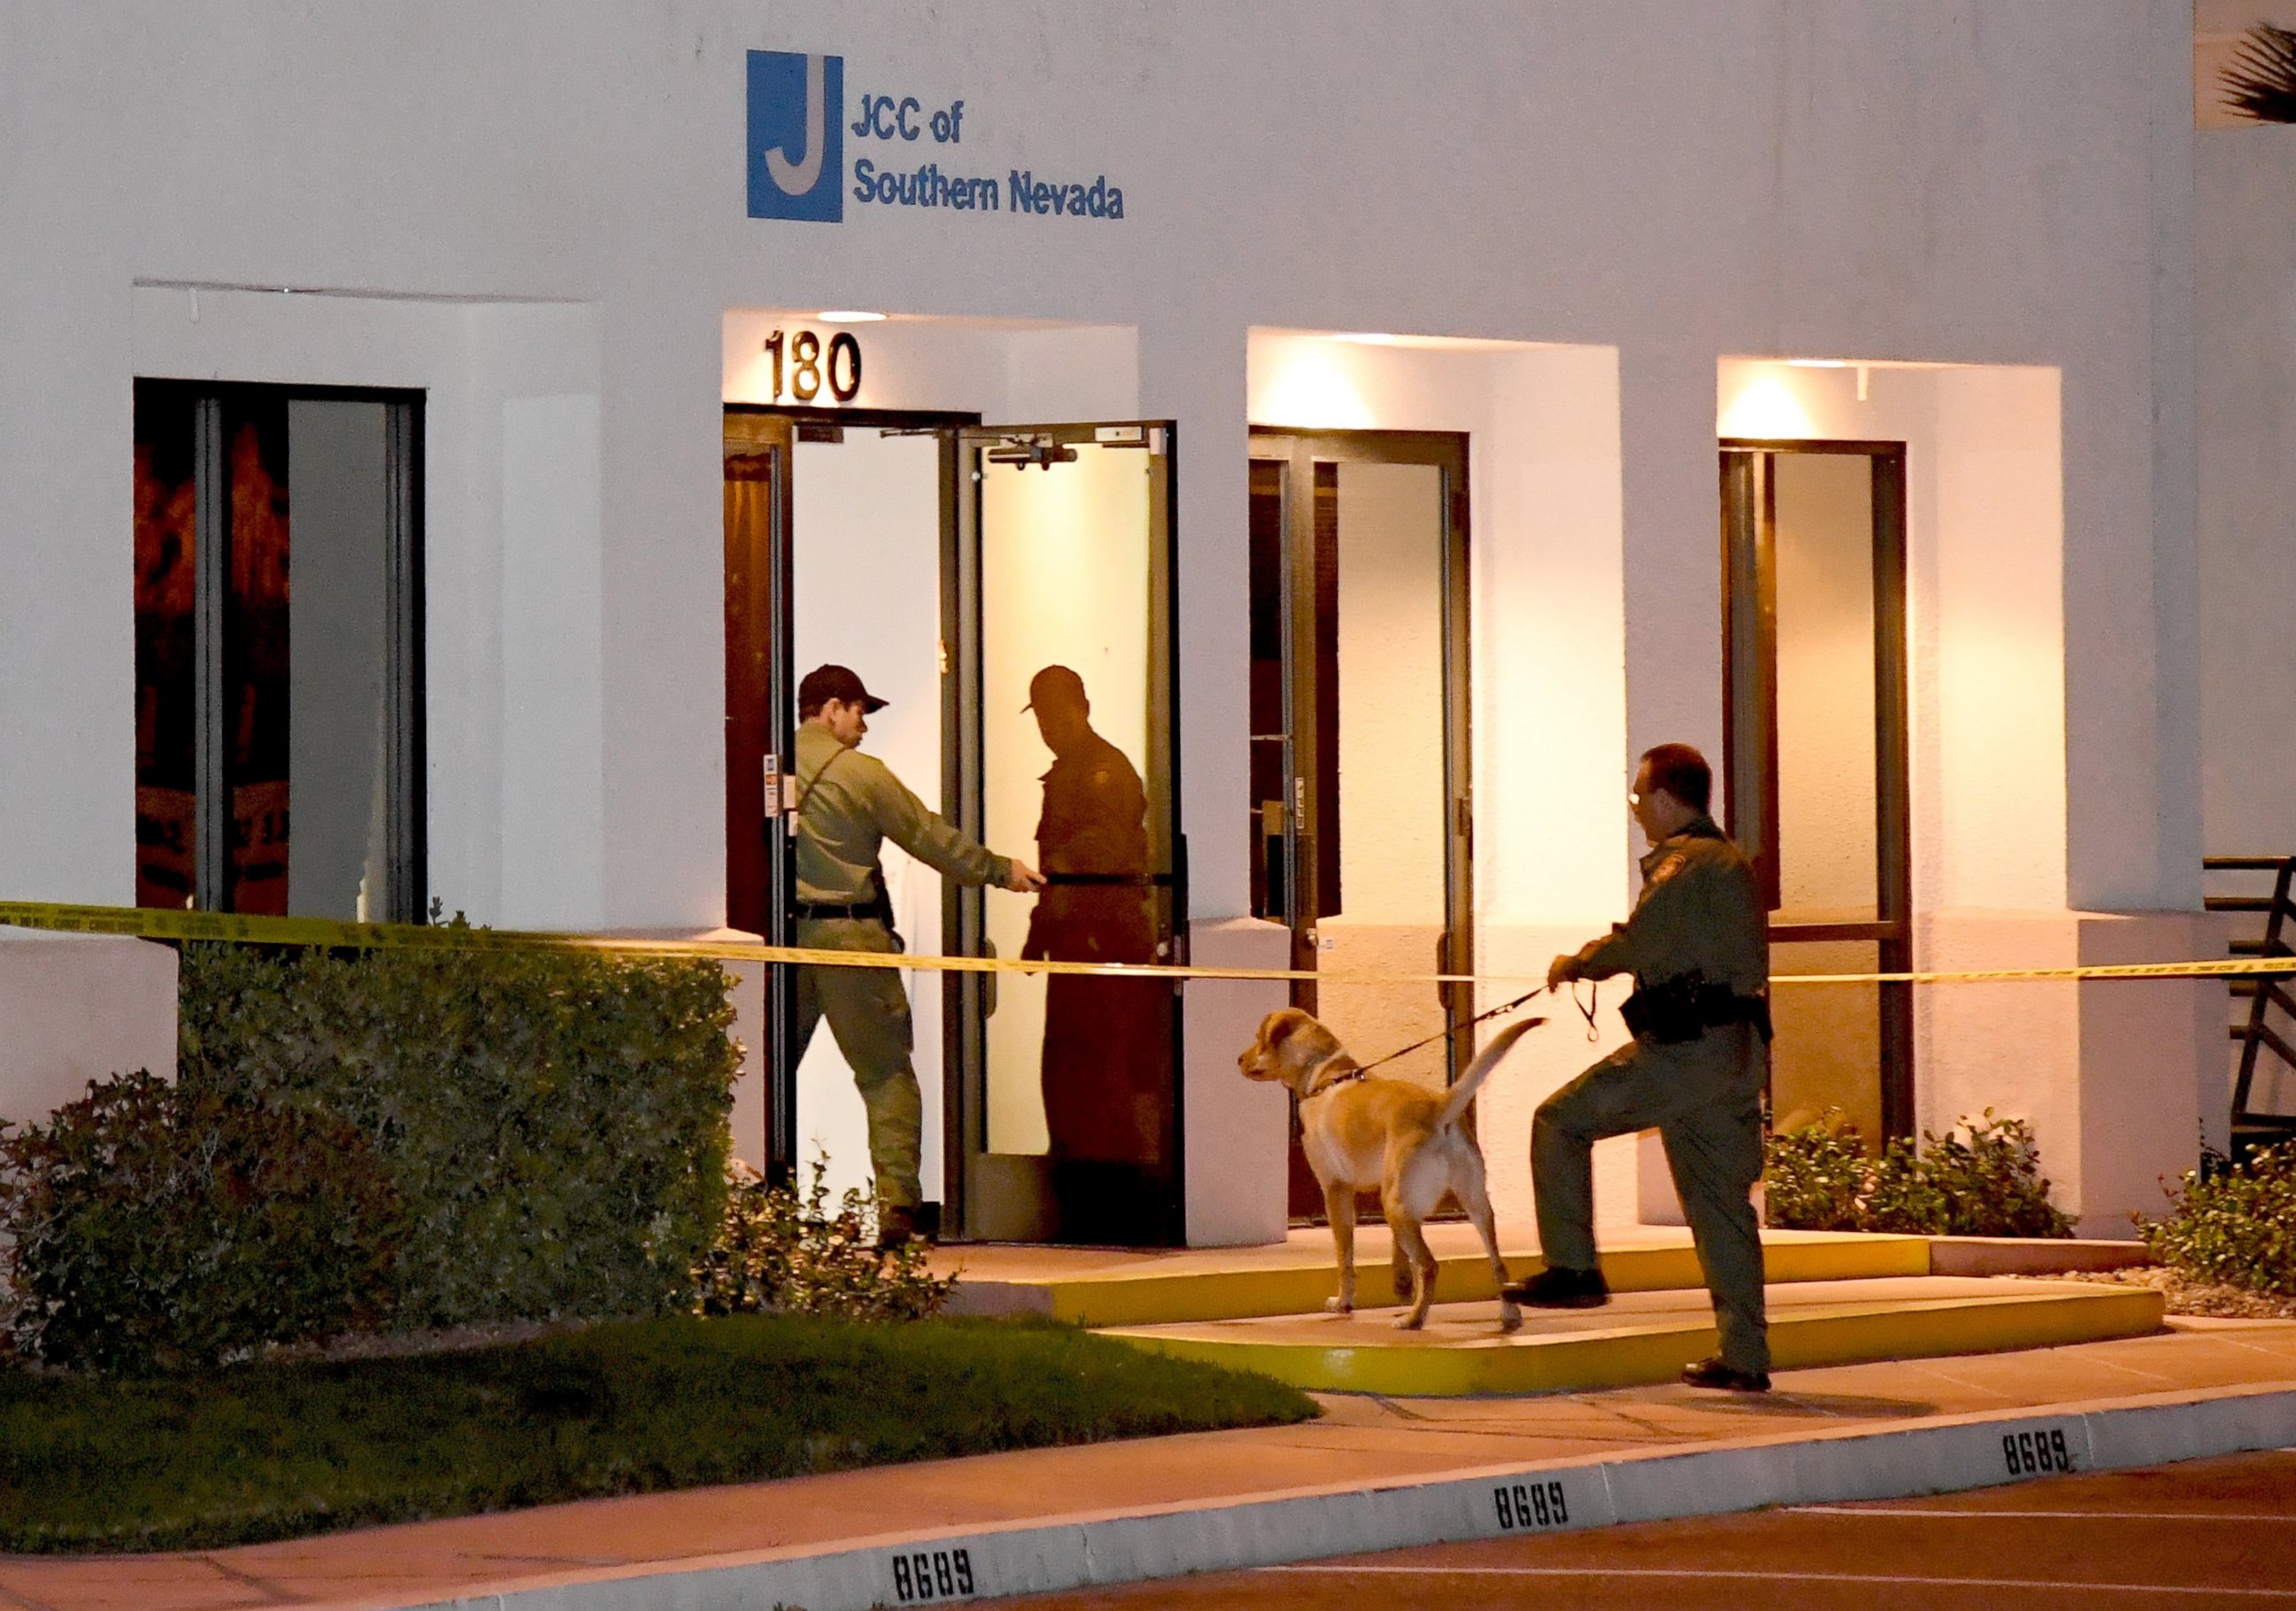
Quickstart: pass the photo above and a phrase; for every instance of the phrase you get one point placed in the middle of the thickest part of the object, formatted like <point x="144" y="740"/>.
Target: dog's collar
<point x="1316" y="1090"/>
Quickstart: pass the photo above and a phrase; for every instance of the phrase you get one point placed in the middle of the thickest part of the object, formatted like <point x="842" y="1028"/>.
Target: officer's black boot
<point x="1714" y="1373"/>
<point x="1557" y="1288"/>
<point x="894" y="1227"/>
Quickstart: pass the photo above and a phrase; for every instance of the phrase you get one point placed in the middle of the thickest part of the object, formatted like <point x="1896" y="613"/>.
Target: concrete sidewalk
<point x="1366" y="1441"/>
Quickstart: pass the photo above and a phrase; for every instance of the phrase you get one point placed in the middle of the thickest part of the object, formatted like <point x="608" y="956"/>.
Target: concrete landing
<point x="1098" y="1286"/>
<point x="1647" y="1336"/>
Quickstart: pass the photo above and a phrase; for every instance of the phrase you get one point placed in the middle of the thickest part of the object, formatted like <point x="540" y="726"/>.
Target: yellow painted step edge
<point x="1633" y="1356"/>
<point x="1171" y="1298"/>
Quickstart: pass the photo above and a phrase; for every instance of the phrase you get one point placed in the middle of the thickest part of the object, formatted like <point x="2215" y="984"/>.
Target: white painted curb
<point x="1080" y="1551"/>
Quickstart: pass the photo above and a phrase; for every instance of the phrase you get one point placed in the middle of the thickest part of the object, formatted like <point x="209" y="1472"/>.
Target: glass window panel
<point x="1392" y="799"/>
<point x="1828" y="1050"/>
<point x="1071" y="767"/>
<point x="166" y="715"/>
<point x="1271" y="787"/>
<point x="255" y="712"/>
<point x="337" y="656"/>
<point x="1828" y="837"/>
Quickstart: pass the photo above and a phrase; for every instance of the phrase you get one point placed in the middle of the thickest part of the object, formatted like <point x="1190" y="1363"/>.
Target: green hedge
<point x="395" y="1139"/>
<point x="1819" y="1177"/>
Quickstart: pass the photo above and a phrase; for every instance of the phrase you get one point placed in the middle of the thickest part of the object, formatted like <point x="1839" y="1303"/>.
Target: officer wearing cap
<point x="849" y="804"/>
<point x="1697" y="944"/>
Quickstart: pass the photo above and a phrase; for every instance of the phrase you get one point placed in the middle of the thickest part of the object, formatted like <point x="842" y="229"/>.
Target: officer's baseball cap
<point x="824" y="683"/>
<point x="1056" y="685"/>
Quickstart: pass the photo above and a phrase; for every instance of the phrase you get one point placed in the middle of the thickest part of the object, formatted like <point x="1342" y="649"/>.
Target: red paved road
<point x="2216" y="1532"/>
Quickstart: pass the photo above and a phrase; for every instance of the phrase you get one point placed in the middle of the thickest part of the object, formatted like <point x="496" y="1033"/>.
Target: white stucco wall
<point x="537" y="213"/>
<point x="2245" y="248"/>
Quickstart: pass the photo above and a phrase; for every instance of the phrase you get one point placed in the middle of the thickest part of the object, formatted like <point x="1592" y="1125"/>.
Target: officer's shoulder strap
<point x="804" y="792"/>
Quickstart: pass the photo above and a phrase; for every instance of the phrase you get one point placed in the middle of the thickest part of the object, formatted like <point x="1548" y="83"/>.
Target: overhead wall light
<point x="1364" y="338"/>
<point x="848" y="316"/>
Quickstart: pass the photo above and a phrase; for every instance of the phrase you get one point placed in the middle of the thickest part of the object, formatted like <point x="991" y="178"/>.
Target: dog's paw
<point x="1510" y="1317"/>
<point x="1408" y="1321"/>
<point x="1338" y="1305"/>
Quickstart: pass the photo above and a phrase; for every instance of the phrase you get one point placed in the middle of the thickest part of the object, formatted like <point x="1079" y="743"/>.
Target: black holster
<point x="1687" y="1006"/>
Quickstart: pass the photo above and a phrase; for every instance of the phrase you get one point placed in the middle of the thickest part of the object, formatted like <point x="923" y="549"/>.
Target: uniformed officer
<point x="849" y="804"/>
<point x="1106" y="1066"/>
<point x="1698" y="947"/>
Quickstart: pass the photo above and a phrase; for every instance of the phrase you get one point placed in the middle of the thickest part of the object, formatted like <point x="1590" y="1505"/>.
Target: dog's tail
<point x="1486" y="1059"/>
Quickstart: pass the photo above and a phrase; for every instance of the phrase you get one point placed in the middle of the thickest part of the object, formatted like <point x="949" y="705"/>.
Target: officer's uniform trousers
<point x="868" y="1012"/>
<point x="1705" y="1098"/>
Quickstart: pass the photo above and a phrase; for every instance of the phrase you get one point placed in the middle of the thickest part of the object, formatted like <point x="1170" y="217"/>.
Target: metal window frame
<point x="1749" y="512"/>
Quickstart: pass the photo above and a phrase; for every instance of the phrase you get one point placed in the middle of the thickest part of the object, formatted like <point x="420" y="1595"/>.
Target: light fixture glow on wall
<point x="848" y="316"/>
<point x="1366" y="337"/>
<point x="1864" y="371"/>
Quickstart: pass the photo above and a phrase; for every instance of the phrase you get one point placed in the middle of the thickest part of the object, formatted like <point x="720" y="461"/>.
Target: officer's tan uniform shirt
<point x="853" y="804"/>
<point x="1699" y="910"/>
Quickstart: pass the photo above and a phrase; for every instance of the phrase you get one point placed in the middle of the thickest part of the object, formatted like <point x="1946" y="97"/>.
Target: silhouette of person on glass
<point x="1107" y="1056"/>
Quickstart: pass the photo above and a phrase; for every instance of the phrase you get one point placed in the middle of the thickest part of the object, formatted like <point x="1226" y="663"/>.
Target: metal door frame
<point x="1750" y="719"/>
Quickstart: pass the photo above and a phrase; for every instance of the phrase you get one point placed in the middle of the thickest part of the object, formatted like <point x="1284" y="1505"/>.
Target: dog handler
<point x="1698" y="947"/>
<point x="849" y="804"/>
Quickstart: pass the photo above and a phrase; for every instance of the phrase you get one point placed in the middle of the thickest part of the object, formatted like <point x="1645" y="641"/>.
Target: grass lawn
<point x="274" y="1451"/>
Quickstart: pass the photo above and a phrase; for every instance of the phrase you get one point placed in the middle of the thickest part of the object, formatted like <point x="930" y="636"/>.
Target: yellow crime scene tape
<point x="167" y="923"/>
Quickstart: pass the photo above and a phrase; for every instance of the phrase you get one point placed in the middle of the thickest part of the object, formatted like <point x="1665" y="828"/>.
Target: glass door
<point x="1361" y="820"/>
<point x="1065" y="1120"/>
<point x="1815" y="736"/>
<point x="837" y="526"/>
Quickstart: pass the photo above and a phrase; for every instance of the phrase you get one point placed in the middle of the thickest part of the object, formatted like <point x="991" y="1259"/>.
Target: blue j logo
<point x="797" y="136"/>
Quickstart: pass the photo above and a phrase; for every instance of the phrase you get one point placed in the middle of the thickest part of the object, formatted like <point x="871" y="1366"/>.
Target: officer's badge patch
<point x="1667" y="868"/>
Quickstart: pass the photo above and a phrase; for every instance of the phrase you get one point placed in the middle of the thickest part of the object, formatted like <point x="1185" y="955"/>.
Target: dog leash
<point x="1500" y="1011"/>
<point x="1587" y="1008"/>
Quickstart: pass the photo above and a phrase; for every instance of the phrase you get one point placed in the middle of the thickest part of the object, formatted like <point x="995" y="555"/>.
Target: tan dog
<point x="1362" y="1132"/>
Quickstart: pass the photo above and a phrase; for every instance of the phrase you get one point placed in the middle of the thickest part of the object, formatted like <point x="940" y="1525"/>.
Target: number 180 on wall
<point x="800" y="367"/>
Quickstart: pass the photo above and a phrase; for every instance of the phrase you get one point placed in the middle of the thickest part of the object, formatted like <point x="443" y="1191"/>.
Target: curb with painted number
<point x="954" y="1565"/>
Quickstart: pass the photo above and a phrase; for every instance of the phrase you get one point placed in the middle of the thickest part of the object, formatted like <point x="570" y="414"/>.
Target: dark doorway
<point x="1361" y="806"/>
<point x="1814" y="545"/>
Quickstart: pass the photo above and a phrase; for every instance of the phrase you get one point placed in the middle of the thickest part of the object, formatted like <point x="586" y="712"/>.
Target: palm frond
<point x="2259" y="82"/>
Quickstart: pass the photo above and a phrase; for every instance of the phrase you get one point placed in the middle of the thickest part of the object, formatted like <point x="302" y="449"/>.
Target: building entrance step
<point x="1645" y="1337"/>
<point x="1106" y="1288"/>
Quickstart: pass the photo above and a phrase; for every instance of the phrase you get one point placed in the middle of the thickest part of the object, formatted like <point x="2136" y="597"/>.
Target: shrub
<point x="1812" y="1178"/>
<point x="779" y="1254"/>
<point x="158" y="1224"/>
<point x="400" y="1139"/>
<point x="2233" y="1225"/>
<point x="1819" y="1178"/>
